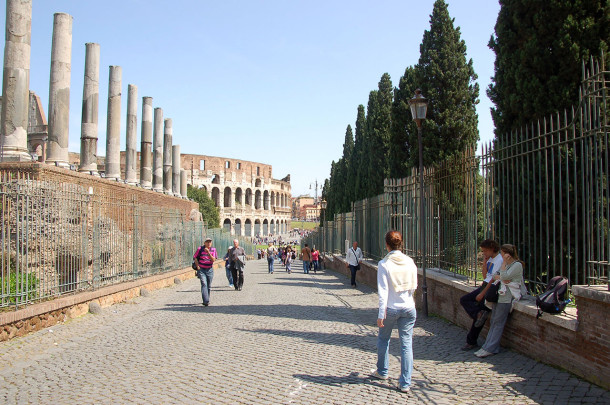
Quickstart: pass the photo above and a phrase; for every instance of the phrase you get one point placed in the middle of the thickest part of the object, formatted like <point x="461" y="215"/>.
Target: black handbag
<point x="492" y="293"/>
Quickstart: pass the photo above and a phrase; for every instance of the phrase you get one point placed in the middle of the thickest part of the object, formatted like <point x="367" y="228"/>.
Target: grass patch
<point x="303" y="225"/>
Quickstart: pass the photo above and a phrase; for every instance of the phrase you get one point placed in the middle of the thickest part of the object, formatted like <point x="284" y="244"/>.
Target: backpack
<point x="553" y="299"/>
<point x="294" y="255"/>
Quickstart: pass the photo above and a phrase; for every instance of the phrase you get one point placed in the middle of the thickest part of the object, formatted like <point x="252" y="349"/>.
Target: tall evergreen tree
<point x="540" y="46"/>
<point x="378" y="134"/>
<point x="403" y="135"/>
<point x="447" y="79"/>
<point x="356" y="184"/>
<point x="346" y="172"/>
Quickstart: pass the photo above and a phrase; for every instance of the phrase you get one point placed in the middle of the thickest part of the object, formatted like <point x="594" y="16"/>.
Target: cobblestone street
<point x="286" y="338"/>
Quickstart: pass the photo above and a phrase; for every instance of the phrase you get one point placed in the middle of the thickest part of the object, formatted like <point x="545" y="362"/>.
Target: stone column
<point x="88" y="137"/>
<point x="157" y="173"/>
<point x="113" y="125"/>
<point x="146" y="147"/>
<point x="183" y="183"/>
<point x="131" y="134"/>
<point x="167" y="157"/>
<point x="16" y="82"/>
<point x="59" y="90"/>
<point x="176" y="170"/>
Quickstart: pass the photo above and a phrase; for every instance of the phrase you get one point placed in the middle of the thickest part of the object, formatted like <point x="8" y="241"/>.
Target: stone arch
<point x="226" y="225"/>
<point x="248" y="227"/>
<point x="248" y="200"/>
<point x="216" y="196"/>
<point x="227" y="195"/>
<point x="239" y="194"/>
<point x="265" y="227"/>
<point x="204" y="188"/>
<point x="216" y="179"/>
<point x="277" y="199"/>
<point x="266" y="200"/>
<point x="273" y="198"/>
<point x="272" y="230"/>
<point x="237" y="227"/>
<point x="257" y="200"/>
<point x="257" y="183"/>
<point x="257" y="227"/>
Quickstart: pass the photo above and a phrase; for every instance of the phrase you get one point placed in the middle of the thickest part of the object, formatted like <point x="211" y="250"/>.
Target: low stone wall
<point x="39" y="316"/>
<point x="578" y="341"/>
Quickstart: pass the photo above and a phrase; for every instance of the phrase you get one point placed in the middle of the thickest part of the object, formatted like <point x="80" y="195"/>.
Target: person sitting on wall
<point x="474" y="301"/>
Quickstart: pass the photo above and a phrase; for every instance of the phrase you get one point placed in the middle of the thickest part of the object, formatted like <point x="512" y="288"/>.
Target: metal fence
<point x="59" y="238"/>
<point x="545" y="189"/>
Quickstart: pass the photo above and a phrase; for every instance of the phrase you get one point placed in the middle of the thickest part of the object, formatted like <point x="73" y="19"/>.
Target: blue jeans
<point x="306" y="266"/>
<point x="229" y="275"/>
<point x="205" y="276"/>
<point x="405" y="320"/>
<point x="270" y="264"/>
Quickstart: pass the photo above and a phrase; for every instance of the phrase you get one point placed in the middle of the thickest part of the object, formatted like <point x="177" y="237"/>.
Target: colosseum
<point x="250" y="200"/>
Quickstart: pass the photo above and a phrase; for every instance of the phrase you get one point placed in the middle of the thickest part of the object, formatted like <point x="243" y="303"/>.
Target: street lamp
<point x="419" y="107"/>
<point x="323" y="207"/>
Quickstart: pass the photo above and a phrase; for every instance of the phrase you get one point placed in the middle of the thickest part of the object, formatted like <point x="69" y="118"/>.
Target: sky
<point x="270" y="81"/>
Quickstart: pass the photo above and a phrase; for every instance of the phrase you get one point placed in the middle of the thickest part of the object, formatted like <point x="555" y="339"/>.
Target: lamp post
<point x="419" y="107"/>
<point x="323" y="207"/>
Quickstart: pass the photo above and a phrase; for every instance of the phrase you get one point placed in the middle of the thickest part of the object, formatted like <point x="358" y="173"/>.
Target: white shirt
<point x="353" y="258"/>
<point x="388" y="297"/>
<point x="493" y="266"/>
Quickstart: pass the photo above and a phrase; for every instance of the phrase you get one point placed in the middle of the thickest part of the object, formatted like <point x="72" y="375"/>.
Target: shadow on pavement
<point x="339" y="381"/>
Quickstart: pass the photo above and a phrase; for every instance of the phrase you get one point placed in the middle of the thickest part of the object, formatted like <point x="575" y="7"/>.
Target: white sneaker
<point x="483" y="353"/>
<point x="231" y="285"/>
<point x="404" y="389"/>
<point x="379" y="376"/>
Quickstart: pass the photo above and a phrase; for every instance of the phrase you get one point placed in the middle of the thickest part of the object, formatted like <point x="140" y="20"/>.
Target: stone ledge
<point x="593" y="292"/>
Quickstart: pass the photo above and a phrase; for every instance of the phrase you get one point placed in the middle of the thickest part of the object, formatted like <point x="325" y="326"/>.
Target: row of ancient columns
<point x="160" y="159"/>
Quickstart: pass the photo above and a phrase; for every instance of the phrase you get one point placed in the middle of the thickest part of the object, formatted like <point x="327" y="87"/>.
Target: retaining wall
<point x="578" y="341"/>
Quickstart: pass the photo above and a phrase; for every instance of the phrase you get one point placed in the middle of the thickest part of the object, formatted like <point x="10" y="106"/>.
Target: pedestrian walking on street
<point x="204" y="260"/>
<point x="271" y="252"/>
<point x="306" y="258"/>
<point x="228" y="268"/>
<point x="474" y="302"/>
<point x="237" y="257"/>
<point x="315" y="258"/>
<point x="289" y="259"/>
<point x="354" y="256"/>
<point x="510" y="280"/>
<point x="396" y="283"/>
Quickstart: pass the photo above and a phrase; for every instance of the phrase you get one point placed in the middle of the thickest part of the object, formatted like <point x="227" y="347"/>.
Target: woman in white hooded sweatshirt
<point x="396" y="283"/>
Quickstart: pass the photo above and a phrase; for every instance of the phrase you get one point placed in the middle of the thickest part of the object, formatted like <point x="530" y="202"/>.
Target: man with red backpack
<point x="204" y="261"/>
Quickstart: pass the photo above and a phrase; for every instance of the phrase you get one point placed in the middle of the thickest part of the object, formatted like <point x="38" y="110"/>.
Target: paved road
<point x="284" y="339"/>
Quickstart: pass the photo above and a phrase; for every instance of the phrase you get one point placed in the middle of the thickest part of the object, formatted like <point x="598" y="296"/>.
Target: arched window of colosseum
<point x="257" y="183"/>
<point x="257" y="200"/>
<point x="216" y="196"/>
<point x="257" y="227"/>
<point x="277" y="200"/>
<point x="272" y="227"/>
<point x="237" y="227"/>
<point x="265" y="227"/>
<point x="215" y="179"/>
<point x="238" y="196"/>
<point x="273" y="199"/>
<point x="266" y="200"/>
<point x="248" y="197"/>
<point x="227" y="197"/>
<point x="226" y="225"/>
<point x="248" y="228"/>
<point x="204" y="188"/>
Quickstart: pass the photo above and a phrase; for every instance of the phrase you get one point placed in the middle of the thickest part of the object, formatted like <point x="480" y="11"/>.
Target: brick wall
<point x="578" y="341"/>
<point x="101" y="186"/>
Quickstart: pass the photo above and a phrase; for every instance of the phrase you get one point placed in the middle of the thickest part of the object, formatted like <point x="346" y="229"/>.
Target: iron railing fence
<point x="59" y="238"/>
<point x="545" y="189"/>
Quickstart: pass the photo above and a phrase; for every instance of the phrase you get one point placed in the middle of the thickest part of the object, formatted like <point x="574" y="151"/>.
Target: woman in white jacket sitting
<point x="396" y="283"/>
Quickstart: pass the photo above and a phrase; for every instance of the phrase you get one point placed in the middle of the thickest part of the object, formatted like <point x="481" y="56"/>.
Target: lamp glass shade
<point x="323" y="204"/>
<point x="419" y="106"/>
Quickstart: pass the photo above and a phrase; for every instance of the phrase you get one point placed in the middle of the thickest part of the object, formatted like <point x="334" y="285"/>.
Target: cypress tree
<point x="539" y="47"/>
<point x="447" y="79"/>
<point x="356" y="184"/>
<point x="403" y="135"/>
<point x="346" y="172"/>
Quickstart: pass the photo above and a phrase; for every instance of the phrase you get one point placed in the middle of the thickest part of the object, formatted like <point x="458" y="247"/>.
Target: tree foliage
<point x="539" y="47"/>
<point x="209" y="211"/>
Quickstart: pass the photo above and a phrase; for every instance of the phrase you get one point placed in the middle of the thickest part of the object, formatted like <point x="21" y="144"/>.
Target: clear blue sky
<point x="269" y="81"/>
